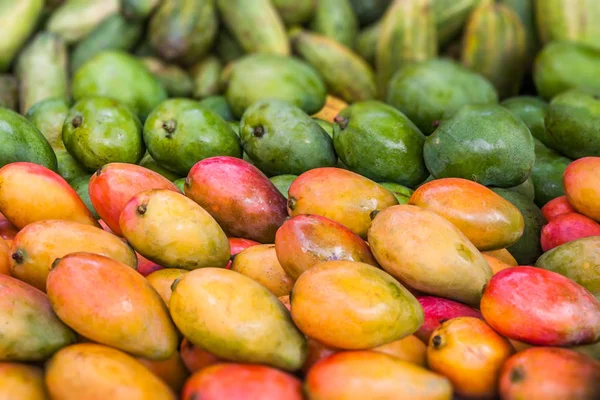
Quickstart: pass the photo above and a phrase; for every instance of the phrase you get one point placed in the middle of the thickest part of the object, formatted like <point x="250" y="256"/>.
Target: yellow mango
<point x="502" y="255"/>
<point x="410" y="349"/>
<point x="4" y="257"/>
<point x="21" y="382"/>
<point x="163" y="279"/>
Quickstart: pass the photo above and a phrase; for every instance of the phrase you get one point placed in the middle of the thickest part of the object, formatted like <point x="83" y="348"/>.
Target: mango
<point x="547" y="174"/>
<point x="20" y="381"/>
<point x="464" y="348"/>
<point x="113" y="185"/>
<point x="550" y="373"/>
<point x="150" y="163"/>
<point x="227" y="47"/>
<point x="261" y="264"/>
<point x="502" y="255"/>
<point x="366" y="42"/>
<point x="582" y="186"/>
<point x="206" y="76"/>
<point x="196" y="358"/>
<point x="496" y="264"/>
<point x="342" y="196"/>
<point x="370" y="10"/>
<point x="109" y="303"/>
<point x="171" y="371"/>
<point x="90" y="371"/>
<point x="30" y="329"/>
<point x="162" y="280"/>
<point x="75" y="19"/>
<point x="485" y="218"/>
<point x="563" y="20"/>
<point x="438" y="310"/>
<point x="4" y="257"/>
<point x="81" y="186"/>
<point x="9" y="92"/>
<point x="409" y="348"/>
<point x="208" y="315"/>
<point x="316" y="352"/>
<point x="49" y="116"/>
<point x="540" y="307"/>
<point x="283" y="183"/>
<point x="19" y="20"/>
<point x="531" y="110"/>
<point x="557" y="206"/>
<point x="146" y="267"/>
<point x="135" y="10"/>
<point x="7" y="230"/>
<point x="294" y="12"/>
<point x="69" y="168"/>
<point x="567" y="228"/>
<point x="219" y="105"/>
<point x="222" y="185"/>
<point x="335" y="19"/>
<point x="176" y="81"/>
<point x="373" y="375"/>
<point x="451" y="16"/>
<point x="237" y="245"/>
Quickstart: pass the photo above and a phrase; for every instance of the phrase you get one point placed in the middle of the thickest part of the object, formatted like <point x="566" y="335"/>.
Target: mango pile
<point x="299" y="199"/>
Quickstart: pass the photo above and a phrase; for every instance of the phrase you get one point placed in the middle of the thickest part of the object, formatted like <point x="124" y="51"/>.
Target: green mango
<point x="255" y="25"/>
<point x="283" y="183"/>
<point x="526" y="188"/>
<point x="483" y="143"/>
<point x="532" y="111"/>
<point x="578" y="260"/>
<point x="122" y="77"/>
<point x="379" y="142"/>
<point x="18" y="20"/>
<point x="81" y="186"/>
<point x="176" y="81"/>
<point x="294" y="12"/>
<point x="138" y="10"/>
<point x="402" y="193"/>
<point x="42" y="71"/>
<point x="282" y="139"/>
<point x="573" y="123"/>
<point x="114" y="33"/>
<point x="366" y="42"/>
<point x="547" y="174"/>
<point x="180" y="183"/>
<point x="206" y="77"/>
<point x="433" y="90"/>
<point x="150" y="163"/>
<point x="574" y="21"/>
<point x="68" y="167"/>
<point x="561" y="66"/>
<point x="525" y="9"/>
<point x="100" y="130"/>
<point x="180" y="132"/>
<point x="235" y="127"/>
<point x="369" y="11"/>
<point x="327" y="126"/>
<point x="337" y="20"/>
<point x="183" y="31"/>
<point x="49" y="116"/>
<point x="219" y="105"/>
<point x="75" y="19"/>
<point x="22" y="141"/>
<point x="269" y="76"/>
<point x="451" y="16"/>
<point x="9" y="92"/>
<point x="528" y="248"/>
<point x="227" y="48"/>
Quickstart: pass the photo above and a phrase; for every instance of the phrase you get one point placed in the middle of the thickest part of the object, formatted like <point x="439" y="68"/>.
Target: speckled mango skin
<point x="21" y="381"/>
<point x="108" y="302"/>
<point x="173" y="231"/>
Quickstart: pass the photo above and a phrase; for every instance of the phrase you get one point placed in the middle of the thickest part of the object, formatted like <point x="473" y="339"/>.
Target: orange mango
<point x="21" y="382"/>
<point x="196" y="358"/>
<point x="438" y="310"/>
<point x="38" y="244"/>
<point x="4" y="258"/>
<point x="113" y="185"/>
<point x="484" y="217"/>
<point x="582" y="186"/>
<point x="429" y="253"/>
<point x="306" y="240"/>
<point x="93" y="372"/>
<point x="316" y="352"/>
<point x="502" y="255"/>
<point x="285" y="300"/>
<point x="496" y="264"/>
<point x="332" y="107"/>
<point x="7" y="230"/>
<point x="237" y="245"/>
<point x="469" y="353"/>
<point x="410" y="349"/>
<point x="171" y="371"/>
<point x="110" y="303"/>
<point x="261" y="264"/>
<point x="163" y="279"/>
<point x="340" y="195"/>
<point x="371" y="375"/>
<point x="173" y="231"/>
<point x="30" y="192"/>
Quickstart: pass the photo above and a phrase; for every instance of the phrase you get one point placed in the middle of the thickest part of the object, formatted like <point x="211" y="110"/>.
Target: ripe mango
<point x="21" y="382"/>
<point x="7" y="230"/>
<point x="557" y="206"/>
<point x="502" y="255"/>
<point x="359" y="306"/>
<point x="582" y="186"/>
<point x="496" y="264"/>
<point x="30" y="193"/>
<point x="196" y="358"/>
<point x="171" y="371"/>
<point x="109" y="303"/>
<point x="340" y="195"/>
<point x="38" y="244"/>
<point x="29" y="328"/>
<point x="452" y="267"/>
<point x="438" y="310"/>
<point x="332" y="107"/>
<point x="410" y="349"/>
<point x="4" y="257"/>
<point x="236" y="246"/>
<point x="92" y="371"/>
<point x="567" y="228"/>
<point x="205" y="311"/>
<point x="540" y="307"/>
<point x="163" y="279"/>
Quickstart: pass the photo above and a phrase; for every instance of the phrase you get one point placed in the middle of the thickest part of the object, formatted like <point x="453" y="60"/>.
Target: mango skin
<point x="20" y="381"/>
<point x="372" y="375"/>
<point x="540" y="307"/>
<point x="172" y="371"/>
<point x="36" y="246"/>
<point x="173" y="231"/>
<point x="567" y="228"/>
<point x="342" y="196"/>
<point x="162" y="280"/>
<point x="48" y="116"/>
<point x="502" y="255"/>
<point x="4" y="257"/>
<point x="31" y="192"/>
<point x="196" y="358"/>
<point x="18" y="22"/>
<point x="108" y="302"/>
<point x="223" y="185"/>
<point x="306" y="240"/>
<point x="464" y="348"/>
<point x="437" y="310"/>
<point x="409" y="348"/>
<point x="485" y="218"/>
<point x="399" y="240"/>
<point x="30" y="329"/>
<point x="550" y="373"/>
<point x="359" y="305"/>
<point x="208" y="316"/>
<point x="261" y="264"/>
<point x="335" y="19"/>
<point x="547" y="174"/>
<point x="557" y="206"/>
<point x="582" y="186"/>
<point x="495" y="264"/>
<point x="283" y="183"/>
<point x="531" y="110"/>
<point x="113" y="185"/>
<point x="93" y="371"/>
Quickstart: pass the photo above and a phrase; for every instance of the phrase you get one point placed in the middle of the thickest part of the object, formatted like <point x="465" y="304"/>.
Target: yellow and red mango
<point x="469" y="353"/>
<point x="495" y="264"/>
<point x="484" y="217"/>
<point x="163" y="279"/>
<point x="316" y="352"/>
<point x="437" y="310"/>
<point x="429" y="253"/>
<point x="582" y="186"/>
<point x="29" y="329"/>
<point x="92" y="371"/>
<point x="30" y="192"/>
<point x="236" y="245"/>
<point x="173" y="231"/>
<point x="171" y="371"/>
<point x="550" y="373"/>
<point x="340" y="195"/>
<point x="352" y="305"/>
<point x="146" y="267"/>
<point x="110" y="303"/>
<point x="21" y="382"/>
<point x="502" y="255"/>
<point x="242" y="381"/>
<point x="38" y="244"/>
<point x="196" y="358"/>
<point x="410" y="349"/>
<point x="567" y="227"/>
<point x="371" y="375"/>
<point x="306" y="240"/>
<point x="240" y="197"/>
<point x="7" y="230"/>
<point x="261" y="264"/>
<point x="113" y="185"/>
<point x="556" y="207"/>
<point x="236" y="318"/>
<point x="4" y="258"/>
<point x="540" y="307"/>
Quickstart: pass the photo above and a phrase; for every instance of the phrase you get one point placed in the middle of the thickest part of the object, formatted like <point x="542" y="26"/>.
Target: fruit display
<point x="299" y="200"/>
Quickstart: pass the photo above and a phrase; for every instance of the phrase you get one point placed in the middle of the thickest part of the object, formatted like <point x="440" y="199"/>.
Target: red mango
<point x="237" y="245"/>
<point x="582" y="186"/>
<point x="145" y="266"/>
<point x="7" y="229"/>
<point x="566" y="228"/>
<point x="556" y="207"/>
<point x="437" y="310"/>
